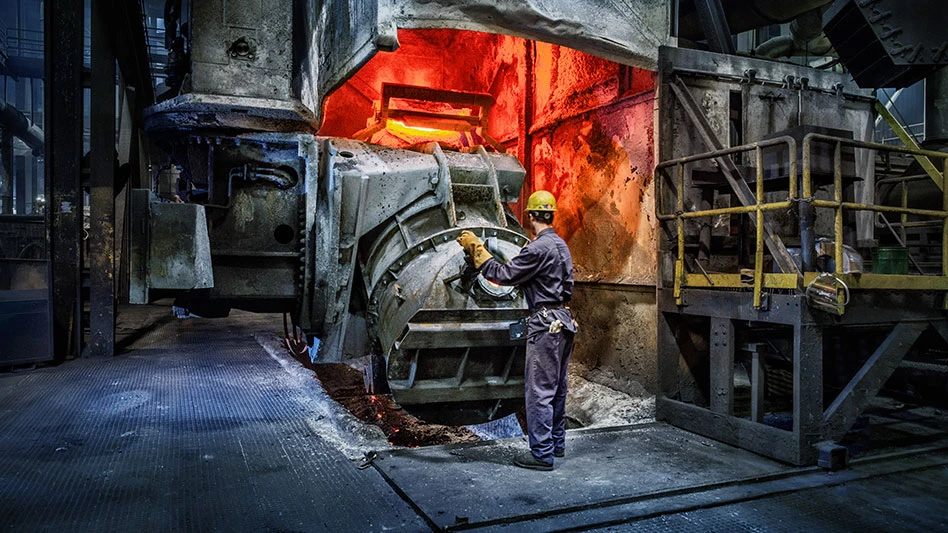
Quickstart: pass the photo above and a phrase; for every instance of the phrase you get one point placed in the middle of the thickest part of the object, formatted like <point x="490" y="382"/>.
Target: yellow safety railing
<point x="839" y="206"/>
<point x="757" y="209"/>
<point x="800" y="192"/>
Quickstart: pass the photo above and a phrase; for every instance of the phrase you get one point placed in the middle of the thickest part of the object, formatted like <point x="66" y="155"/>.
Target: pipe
<point x="806" y="38"/>
<point x="779" y="46"/>
<point x="22" y="127"/>
<point x="936" y="107"/>
<point x="744" y="15"/>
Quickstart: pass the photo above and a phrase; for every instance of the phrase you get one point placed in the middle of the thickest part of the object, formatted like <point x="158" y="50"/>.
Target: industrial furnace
<point x="351" y="232"/>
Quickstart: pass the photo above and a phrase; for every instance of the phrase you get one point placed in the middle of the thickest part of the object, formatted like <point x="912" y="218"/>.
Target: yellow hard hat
<point x="541" y="201"/>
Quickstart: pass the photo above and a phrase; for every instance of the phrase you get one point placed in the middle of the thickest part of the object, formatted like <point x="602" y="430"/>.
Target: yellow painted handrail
<point x="799" y="191"/>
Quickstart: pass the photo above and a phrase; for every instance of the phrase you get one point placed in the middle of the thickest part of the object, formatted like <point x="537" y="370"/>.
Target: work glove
<point x="474" y="248"/>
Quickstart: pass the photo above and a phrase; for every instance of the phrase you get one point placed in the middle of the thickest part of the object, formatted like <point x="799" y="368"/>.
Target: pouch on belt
<point x="518" y="329"/>
<point x="552" y="321"/>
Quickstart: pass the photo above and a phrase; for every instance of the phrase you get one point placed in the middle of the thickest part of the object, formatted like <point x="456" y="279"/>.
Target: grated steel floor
<point x="906" y="501"/>
<point x="200" y="425"/>
<point x="662" y="480"/>
<point x="194" y="428"/>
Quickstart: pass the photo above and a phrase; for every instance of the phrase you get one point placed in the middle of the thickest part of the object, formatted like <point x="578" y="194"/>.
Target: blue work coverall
<point x="544" y="272"/>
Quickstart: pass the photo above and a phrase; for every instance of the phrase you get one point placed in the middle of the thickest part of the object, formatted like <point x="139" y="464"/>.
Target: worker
<point x="544" y="272"/>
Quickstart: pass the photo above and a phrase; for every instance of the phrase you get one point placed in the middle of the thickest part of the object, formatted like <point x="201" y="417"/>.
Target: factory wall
<point x="591" y="145"/>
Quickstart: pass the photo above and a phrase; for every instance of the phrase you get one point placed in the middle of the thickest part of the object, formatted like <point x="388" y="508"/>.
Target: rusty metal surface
<point x="338" y="38"/>
<point x="242" y="48"/>
<point x="256" y="66"/>
<point x="393" y="216"/>
<point x="599" y="167"/>
<point x="277" y="63"/>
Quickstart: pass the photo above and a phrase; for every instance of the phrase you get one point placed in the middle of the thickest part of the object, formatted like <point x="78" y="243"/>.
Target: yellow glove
<point x="474" y="248"/>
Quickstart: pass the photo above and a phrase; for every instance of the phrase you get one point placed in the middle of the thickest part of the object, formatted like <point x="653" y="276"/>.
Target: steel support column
<point x="722" y="366"/>
<point x="6" y="171"/>
<point x="63" y="35"/>
<point x="807" y="390"/>
<point x="102" y="185"/>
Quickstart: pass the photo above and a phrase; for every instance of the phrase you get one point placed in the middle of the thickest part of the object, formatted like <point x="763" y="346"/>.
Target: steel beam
<point x="747" y="434"/>
<point x="807" y="390"/>
<point x="863" y="387"/>
<point x="63" y="152"/>
<point x="714" y="25"/>
<point x="131" y="49"/>
<point x="758" y="388"/>
<point x="941" y="327"/>
<point x="909" y="142"/>
<point x="102" y="184"/>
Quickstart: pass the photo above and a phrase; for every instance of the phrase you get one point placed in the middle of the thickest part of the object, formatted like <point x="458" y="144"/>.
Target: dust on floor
<point x="345" y="385"/>
<point x="589" y="404"/>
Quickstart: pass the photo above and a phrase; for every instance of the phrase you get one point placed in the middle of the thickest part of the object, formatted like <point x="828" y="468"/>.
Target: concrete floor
<point x="198" y="426"/>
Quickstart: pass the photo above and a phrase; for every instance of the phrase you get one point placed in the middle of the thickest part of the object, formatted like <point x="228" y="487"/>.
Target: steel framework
<point x="833" y="350"/>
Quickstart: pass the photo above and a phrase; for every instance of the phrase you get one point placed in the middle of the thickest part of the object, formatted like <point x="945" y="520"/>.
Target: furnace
<point x="351" y="232"/>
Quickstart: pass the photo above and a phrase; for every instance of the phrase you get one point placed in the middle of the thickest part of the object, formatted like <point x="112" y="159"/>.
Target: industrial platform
<point x="197" y="427"/>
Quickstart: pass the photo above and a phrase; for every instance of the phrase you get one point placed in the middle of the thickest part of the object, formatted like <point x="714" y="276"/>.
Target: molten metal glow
<point x="406" y="132"/>
<point x="494" y="289"/>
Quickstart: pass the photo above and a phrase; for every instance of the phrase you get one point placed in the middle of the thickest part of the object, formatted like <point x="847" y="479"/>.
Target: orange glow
<point x="415" y="133"/>
<point x="439" y="59"/>
<point x="583" y="127"/>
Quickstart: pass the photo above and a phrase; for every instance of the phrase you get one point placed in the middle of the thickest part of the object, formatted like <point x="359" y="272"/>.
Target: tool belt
<point x="518" y="330"/>
<point x="547" y="307"/>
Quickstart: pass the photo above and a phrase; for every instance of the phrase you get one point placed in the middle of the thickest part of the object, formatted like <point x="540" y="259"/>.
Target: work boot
<point x="527" y="460"/>
<point x="559" y="453"/>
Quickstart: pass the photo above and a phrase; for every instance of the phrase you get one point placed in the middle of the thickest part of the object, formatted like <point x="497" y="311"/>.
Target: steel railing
<point x="757" y="209"/>
<point x="800" y="192"/>
<point x="24" y="43"/>
<point x="839" y="206"/>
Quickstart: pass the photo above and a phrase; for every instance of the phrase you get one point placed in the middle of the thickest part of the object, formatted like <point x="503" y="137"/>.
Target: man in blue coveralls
<point x="544" y="272"/>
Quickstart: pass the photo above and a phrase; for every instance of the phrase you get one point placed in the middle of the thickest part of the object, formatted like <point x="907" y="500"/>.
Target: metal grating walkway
<point x="906" y="501"/>
<point x="195" y="428"/>
<point x="198" y="427"/>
